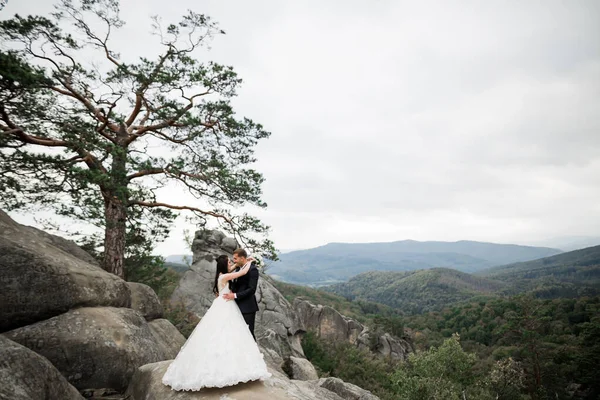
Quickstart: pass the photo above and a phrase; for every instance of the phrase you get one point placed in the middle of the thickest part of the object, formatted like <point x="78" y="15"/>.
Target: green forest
<point x="524" y="331"/>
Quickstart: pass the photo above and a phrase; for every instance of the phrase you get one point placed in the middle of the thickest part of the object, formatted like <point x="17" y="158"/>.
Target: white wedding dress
<point x="220" y="351"/>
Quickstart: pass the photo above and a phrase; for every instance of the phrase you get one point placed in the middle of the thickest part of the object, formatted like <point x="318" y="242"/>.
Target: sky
<point x="392" y="120"/>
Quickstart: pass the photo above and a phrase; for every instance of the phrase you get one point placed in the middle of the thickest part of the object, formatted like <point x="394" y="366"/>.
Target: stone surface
<point x="42" y="276"/>
<point x="100" y="347"/>
<point x="166" y="336"/>
<point x="387" y="345"/>
<point x="302" y="369"/>
<point x="331" y="325"/>
<point x="327" y="322"/>
<point x="25" y="375"/>
<point x="146" y="385"/>
<point x="278" y="327"/>
<point x="145" y="300"/>
<point x="346" y="390"/>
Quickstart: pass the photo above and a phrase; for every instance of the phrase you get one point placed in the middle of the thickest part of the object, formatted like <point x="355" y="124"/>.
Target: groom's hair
<point x="241" y="253"/>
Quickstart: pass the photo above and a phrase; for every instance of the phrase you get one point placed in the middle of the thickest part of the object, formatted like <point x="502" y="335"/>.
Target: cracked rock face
<point x="43" y="275"/>
<point x="145" y="300"/>
<point x="25" y="375"/>
<point x="97" y="347"/>
<point x="277" y="326"/>
<point x="329" y="324"/>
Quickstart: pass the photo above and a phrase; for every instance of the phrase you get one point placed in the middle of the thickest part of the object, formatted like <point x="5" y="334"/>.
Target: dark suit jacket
<point x="244" y="287"/>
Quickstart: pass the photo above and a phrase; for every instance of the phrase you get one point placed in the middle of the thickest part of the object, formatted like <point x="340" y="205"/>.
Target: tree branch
<point x="139" y="93"/>
<point x="173" y="207"/>
<point x="19" y="133"/>
<point x="152" y="171"/>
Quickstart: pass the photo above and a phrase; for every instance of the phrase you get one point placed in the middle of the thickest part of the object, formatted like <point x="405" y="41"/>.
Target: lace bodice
<point x="222" y="285"/>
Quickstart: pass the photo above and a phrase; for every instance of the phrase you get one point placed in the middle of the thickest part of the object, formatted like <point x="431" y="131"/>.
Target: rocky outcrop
<point x="146" y="385"/>
<point x="329" y="324"/>
<point x="196" y="286"/>
<point x="301" y="369"/>
<point x="94" y="332"/>
<point x="278" y="328"/>
<point x="56" y="301"/>
<point x="100" y="347"/>
<point x="25" y="375"/>
<point x="40" y="280"/>
<point x="385" y="345"/>
<point x="145" y="300"/>
<point x="346" y="390"/>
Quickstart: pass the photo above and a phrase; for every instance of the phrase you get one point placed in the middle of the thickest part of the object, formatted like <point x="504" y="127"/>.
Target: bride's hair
<point x="222" y="268"/>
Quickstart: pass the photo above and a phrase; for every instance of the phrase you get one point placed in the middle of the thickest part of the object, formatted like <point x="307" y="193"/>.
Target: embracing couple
<point x="222" y="349"/>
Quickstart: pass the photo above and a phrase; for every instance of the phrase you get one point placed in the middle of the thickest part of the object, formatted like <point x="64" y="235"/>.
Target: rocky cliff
<point x="329" y="324"/>
<point x="68" y="327"/>
<point x="56" y="303"/>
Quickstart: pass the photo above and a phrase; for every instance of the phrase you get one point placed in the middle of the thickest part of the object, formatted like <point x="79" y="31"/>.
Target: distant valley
<point x="338" y="262"/>
<point x="568" y="275"/>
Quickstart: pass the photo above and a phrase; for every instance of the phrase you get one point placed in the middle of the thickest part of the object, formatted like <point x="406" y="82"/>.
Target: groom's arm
<point x="252" y="284"/>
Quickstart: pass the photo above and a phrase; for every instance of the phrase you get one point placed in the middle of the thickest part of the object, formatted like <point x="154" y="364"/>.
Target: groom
<point x="243" y="289"/>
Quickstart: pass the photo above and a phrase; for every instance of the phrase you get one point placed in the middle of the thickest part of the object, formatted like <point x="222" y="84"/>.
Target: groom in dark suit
<point x="243" y="289"/>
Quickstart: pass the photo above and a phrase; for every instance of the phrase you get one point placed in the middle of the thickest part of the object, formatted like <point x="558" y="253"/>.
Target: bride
<point x="221" y="350"/>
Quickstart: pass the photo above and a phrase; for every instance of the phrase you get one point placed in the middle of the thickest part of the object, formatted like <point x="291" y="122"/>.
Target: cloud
<point x="424" y="120"/>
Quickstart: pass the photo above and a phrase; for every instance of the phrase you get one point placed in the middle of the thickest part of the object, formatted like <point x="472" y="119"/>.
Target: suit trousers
<point x="249" y="318"/>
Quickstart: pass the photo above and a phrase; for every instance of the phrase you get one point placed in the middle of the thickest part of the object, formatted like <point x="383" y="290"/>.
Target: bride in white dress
<point x="220" y="351"/>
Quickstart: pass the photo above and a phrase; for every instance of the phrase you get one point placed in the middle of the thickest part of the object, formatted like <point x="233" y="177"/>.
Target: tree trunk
<point x="114" y="237"/>
<point x="115" y="203"/>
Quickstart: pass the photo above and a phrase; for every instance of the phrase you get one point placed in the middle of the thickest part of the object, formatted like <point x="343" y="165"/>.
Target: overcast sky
<point x="423" y="120"/>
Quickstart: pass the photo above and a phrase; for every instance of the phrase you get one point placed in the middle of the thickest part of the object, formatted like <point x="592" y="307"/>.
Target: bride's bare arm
<point x="233" y="275"/>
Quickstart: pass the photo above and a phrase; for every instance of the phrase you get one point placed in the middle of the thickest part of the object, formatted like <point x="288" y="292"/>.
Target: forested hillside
<point x="338" y="262"/>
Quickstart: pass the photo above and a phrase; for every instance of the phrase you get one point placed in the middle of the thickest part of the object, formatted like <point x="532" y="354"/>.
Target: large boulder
<point x="25" y="375"/>
<point x="346" y="390"/>
<point x="385" y="345"/>
<point x="147" y="385"/>
<point x="301" y="369"/>
<point x="330" y="325"/>
<point x="195" y="289"/>
<point x="327" y="322"/>
<point x="278" y="329"/>
<point x="43" y="275"/>
<point x="100" y="347"/>
<point x="145" y="300"/>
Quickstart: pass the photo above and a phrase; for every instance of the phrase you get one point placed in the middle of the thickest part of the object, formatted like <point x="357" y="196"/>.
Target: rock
<point x="278" y="327"/>
<point x="100" y="347"/>
<point x="145" y="300"/>
<point x="147" y="385"/>
<point x="25" y="375"/>
<point x="328" y="324"/>
<point x="42" y="276"/>
<point x="301" y="369"/>
<point x="346" y="390"/>
<point x="167" y="336"/>
<point x="68" y="246"/>
<point x="196" y="285"/>
<point x="387" y="345"/>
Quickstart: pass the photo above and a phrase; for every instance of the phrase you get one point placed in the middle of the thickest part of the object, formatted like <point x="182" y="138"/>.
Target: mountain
<point x="570" y="243"/>
<point x="571" y="274"/>
<point x="179" y="268"/>
<point x="417" y="291"/>
<point x="338" y="262"/>
<point x="179" y="259"/>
